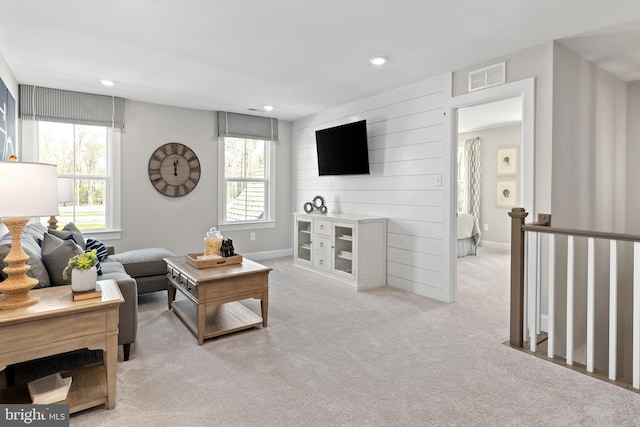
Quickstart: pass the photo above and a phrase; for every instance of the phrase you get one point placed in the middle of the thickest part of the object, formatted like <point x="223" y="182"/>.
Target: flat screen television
<point x="343" y="150"/>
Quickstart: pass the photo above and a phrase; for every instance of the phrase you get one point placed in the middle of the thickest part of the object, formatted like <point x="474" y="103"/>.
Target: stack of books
<point x="49" y="389"/>
<point x="93" y="293"/>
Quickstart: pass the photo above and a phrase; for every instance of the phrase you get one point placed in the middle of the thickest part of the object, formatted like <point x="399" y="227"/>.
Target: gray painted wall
<point x="150" y="219"/>
<point x="589" y="144"/>
<point x="589" y="182"/>
<point x="632" y="225"/>
<point x="633" y="158"/>
<point x="499" y="233"/>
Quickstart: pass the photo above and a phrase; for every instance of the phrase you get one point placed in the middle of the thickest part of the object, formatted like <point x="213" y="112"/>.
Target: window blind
<point x="246" y="126"/>
<point x="64" y="106"/>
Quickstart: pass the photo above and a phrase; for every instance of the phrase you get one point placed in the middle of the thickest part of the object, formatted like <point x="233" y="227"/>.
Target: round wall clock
<point x="174" y="169"/>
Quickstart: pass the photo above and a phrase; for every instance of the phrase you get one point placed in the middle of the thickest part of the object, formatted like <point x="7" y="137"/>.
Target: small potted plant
<point x="83" y="271"/>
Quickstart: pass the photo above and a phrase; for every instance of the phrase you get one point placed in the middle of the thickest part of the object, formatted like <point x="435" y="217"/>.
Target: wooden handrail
<point x="581" y="233"/>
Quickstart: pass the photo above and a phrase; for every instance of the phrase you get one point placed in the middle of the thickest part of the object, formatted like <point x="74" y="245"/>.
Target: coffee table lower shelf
<point x="219" y="320"/>
<point x="88" y="389"/>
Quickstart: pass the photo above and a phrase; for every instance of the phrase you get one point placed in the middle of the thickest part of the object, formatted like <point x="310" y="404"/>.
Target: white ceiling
<point x="615" y="49"/>
<point x="302" y="57"/>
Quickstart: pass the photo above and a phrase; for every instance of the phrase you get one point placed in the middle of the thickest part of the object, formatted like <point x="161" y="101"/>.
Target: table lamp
<point x="65" y="194"/>
<point x="26" y="190"/>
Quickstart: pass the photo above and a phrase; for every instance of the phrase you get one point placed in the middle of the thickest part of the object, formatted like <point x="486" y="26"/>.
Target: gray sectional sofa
<point x="136" y="272"/>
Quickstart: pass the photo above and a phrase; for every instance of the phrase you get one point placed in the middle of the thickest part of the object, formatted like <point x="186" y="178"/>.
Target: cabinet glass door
<point x="303" y="240"/>
<point x="343" y="248"/>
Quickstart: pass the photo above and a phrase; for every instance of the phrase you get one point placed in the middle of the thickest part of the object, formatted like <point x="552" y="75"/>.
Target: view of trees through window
<point x="245" y="179"/>
<point x="80" y="152"/>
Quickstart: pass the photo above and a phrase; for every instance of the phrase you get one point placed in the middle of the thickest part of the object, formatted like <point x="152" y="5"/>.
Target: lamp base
<point x="19" y="302"/>
<point x="17" y="286"/>
<point x="53" y="222"/>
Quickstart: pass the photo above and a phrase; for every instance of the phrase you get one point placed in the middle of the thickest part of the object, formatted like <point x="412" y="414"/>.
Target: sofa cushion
<point x="112" y="267"/>
<point x="113" y="270"/>
<point x="70" y="229"/>
<point x="30" y="236"/>
<point x="143" y="262"/>
<point x="56" y="254"/>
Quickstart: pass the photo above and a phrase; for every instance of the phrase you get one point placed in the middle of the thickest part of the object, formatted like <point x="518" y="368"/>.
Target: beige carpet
<point x="335" y="357"/>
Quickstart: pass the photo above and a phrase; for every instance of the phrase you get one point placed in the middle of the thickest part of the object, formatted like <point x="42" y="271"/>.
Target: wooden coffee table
<point x="211" y="306"/>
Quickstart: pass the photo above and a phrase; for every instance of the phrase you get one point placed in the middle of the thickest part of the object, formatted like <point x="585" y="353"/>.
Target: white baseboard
<point x="496" y="246"/>
<point x="257" y="256"/>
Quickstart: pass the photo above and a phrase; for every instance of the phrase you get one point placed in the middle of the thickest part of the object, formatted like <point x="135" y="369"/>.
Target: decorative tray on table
<point x="198" y="260"/>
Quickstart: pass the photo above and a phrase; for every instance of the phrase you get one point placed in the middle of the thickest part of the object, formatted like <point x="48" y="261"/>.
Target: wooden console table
<point x="211" y="308"/>
<point x="57" y="324"/>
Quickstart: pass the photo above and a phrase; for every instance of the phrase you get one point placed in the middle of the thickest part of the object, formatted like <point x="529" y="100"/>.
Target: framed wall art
<point x="507" y="193"/>
<point x="507" y="161"/>
<point x="7" y="123"/>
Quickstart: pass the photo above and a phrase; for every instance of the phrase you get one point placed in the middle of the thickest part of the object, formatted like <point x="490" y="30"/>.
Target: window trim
<point x="270" y="179"/>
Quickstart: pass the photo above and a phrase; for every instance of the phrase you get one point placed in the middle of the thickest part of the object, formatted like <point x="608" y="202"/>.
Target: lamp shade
<point x="65" y="190"/>
<point x="28" y="189"/>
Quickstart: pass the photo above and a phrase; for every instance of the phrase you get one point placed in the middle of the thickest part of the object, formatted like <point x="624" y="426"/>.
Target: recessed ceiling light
<point x="108" y="83"/>
<point x="268" y="107"/>
<point x="378" y="60"/>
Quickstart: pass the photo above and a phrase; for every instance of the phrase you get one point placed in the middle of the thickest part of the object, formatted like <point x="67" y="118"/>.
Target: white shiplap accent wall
<point x="408" y="135"/>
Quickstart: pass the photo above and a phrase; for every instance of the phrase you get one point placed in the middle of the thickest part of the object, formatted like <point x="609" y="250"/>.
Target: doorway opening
<point x="505" y="147"/>
<point x="489" y="145"/>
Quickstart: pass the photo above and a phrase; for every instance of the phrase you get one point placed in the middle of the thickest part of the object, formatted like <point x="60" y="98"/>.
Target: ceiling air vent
<point x="492" y="75"/>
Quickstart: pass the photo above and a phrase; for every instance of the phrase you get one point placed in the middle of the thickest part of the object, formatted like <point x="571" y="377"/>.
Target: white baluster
<point x="613" y="309"/>
<point x="590" y="301"/>
<point x="570" y="263"/>
<point x="538" y="287"/>
<point x="636" y="315"/>
<point x="551" y="316"/>
<point x="525" y="292"/>
<point x="533" y="297"/>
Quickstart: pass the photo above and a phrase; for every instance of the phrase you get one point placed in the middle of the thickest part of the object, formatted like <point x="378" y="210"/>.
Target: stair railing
<point x="525" y="296"/>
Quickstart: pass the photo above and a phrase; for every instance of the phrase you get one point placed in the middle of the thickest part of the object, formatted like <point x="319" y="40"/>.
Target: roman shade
<point x="246" y="126"/>
<point x="64" y="106"/>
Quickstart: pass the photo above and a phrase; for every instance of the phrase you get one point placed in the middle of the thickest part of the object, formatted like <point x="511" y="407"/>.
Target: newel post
<point x="517" y="276"/>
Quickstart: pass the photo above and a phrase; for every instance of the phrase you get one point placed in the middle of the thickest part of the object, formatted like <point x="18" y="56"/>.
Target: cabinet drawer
<point x="322" y="262"/>
<point x="173" y="274"/>
<point x="322" y="245"/>
<point x="322" y="226"/>
<point x="188" y="286"/>
<point x="181" y="282"/>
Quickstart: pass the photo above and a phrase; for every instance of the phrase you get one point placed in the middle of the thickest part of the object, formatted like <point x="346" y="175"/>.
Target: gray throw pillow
<point x="32" y="249"/>
<point x="70" y="229"/>
<point x="35" y="230"/>
<point x="56" y="254"/>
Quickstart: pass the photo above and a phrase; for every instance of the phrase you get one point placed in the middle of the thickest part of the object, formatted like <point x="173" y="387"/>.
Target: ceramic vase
<point x="83" y="280"/>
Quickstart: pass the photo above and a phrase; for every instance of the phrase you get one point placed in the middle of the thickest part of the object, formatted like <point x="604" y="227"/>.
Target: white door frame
<point x="526" y="89"/>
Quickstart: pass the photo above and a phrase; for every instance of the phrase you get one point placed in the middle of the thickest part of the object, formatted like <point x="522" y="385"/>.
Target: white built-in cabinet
<point x="349" y="248"/>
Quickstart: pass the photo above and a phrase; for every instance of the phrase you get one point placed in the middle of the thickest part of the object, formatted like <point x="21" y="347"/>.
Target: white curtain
<point x="472" y="165"/>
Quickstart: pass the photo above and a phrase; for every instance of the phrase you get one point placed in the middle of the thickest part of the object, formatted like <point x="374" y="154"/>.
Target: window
<point x="246" y="182"/>
<point x="85" y="154"/>
<point x="80" y="133"/>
